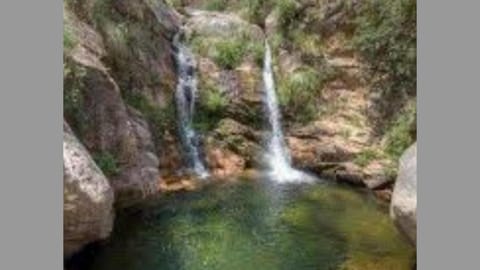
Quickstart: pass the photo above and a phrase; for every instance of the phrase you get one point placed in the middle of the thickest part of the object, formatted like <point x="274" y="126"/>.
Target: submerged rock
<point x="403" y="208"/>
<point x="88" y="197"/>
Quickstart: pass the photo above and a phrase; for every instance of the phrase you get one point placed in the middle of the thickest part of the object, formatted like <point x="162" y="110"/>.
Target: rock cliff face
<point x="321" y="84"/>
<point x="403" y="208"/>
<point x="229" y="51"/>
<point x="88" y="197"/>
<point x="119" y="76"/>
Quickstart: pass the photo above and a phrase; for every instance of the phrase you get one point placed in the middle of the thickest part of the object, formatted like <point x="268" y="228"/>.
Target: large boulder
<point x="88" y="197"/>
<point x="403" y="208"/>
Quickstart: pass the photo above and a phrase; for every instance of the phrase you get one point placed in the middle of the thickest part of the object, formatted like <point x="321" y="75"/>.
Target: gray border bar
<point x="448" y="148"/>
<point x="30" y="138"/>
<point x="31" y="134"/>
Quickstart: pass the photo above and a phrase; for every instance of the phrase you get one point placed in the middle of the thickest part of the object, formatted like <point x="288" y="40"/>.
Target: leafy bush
<point x="298" y="92"/>
<point x="211" y="109"/>
<point x="107" y="162"/>
<point x="229" y="53"/>
<point x="385" y="35"/>
<point x="287" y="11"/>
<point x="401" y="133"/>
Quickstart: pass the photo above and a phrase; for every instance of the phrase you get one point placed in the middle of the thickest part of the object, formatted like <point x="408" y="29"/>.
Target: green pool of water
<point x="256" y="224"/>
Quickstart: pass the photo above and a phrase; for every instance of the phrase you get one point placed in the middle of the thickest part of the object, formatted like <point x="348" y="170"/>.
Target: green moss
<point x="107" y="162"/>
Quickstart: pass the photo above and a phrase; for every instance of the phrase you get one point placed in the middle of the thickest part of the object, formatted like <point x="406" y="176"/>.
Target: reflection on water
<point x="256" y="225"/>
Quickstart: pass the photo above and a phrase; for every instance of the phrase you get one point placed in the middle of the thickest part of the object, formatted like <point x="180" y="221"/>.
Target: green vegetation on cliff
<point x="73" y="100"/>
<point x="229" y="53"/>
<point x="160" y="119"/>
<point x="298" y="91"/>
<point x="211" y="109"/>
<point x="385" y="35"/>
<point x="402" y="131"/>
<point x="107" y="162"/>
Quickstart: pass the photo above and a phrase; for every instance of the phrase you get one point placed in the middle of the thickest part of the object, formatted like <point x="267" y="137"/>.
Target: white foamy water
<point x="277" y="155"/>
<point x="185" y="101"/>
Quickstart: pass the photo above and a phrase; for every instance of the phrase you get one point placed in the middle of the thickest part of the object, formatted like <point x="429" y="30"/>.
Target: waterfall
<point x="277" y="155"/>
<point x="185" y="95"/>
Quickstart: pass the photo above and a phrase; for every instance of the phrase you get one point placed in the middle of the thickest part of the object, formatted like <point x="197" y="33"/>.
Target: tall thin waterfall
<point x="185" y="100"/>
<point x="277" y="155"/>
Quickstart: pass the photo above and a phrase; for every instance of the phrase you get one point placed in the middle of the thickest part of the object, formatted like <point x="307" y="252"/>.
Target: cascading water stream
<point x="185" y="100"/>
<point x="277" y="155"/>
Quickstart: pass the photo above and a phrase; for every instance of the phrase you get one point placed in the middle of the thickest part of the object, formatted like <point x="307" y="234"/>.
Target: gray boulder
<point x="87" y="197"/>
<point x="403" y="208"/>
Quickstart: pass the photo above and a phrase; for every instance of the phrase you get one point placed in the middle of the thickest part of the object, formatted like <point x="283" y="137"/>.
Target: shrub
<point x="298" y="87"/>
<point x="211" y="109"/>
<point x="107" y="162"/>
<point x="229" y="53"/>
<point x="385" y="35"/>
<point x="286" y="10"/>
<point x="298" y="92"/>
<point x="400" y="134"/>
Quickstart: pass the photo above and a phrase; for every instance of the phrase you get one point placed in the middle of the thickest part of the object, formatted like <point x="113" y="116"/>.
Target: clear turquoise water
<point x="256" y="224"/>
